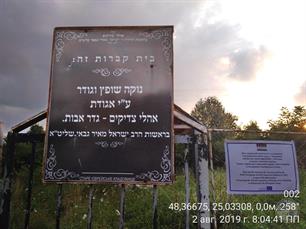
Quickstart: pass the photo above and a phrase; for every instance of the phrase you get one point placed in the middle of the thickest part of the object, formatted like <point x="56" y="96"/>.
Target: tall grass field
<point x="138" y="205"/>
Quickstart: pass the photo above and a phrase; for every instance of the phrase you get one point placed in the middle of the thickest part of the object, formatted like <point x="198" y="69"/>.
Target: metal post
<point x="89" y="219"/>
<point x="187" y="186"/>
<point x="202" y="181"/>
<point x="30" y="185"/>
<point x="155" y="215"/>
<point x="1" y="148"/>
<point x="196" y="171"/>
<point x="210" y="150"/>
<point x="59" y="205"/>
<point x="212" y="173"/>
<point x="122" y="202"/>
<point x="5" y="189"/>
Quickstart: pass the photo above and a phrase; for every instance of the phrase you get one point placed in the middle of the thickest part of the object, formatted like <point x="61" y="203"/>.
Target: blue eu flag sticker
<point x="269" y="188"/>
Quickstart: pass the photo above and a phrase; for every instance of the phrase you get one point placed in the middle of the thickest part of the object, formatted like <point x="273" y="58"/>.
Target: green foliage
<point x="211" y="113"/>
<point x="253" y="135"/>
<point x="22" y="158"/>
<point x="223" y="197"/>
<point x="138" y="204"/>
<point x="294" y="120"/>
<point x="179" y="157"/>
<point x="252" y="125"/>
<point x="36" y="129"/>
<point x="290" y="120"/>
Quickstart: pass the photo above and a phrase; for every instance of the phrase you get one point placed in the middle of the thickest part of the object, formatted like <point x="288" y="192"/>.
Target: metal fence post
<point x="1" y="147"/>
<point x="187" y="186"/>
<point x="89" y="219"/>
<point x="122" y="202"/>
<point x="30" y="185"/>
<point x="212" y="173"/>
<point x="155" y="215"/>
<point x="202" y="181"/>
<point x="6" y="185"/>
<point x="59" y="205"/>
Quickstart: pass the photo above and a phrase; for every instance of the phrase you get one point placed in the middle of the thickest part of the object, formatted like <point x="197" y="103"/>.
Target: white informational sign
<point x="261" y="167"/>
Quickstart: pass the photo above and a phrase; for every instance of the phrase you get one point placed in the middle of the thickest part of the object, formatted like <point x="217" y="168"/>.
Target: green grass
<point x="138" y="204"/>
<point x="222" y="197"/>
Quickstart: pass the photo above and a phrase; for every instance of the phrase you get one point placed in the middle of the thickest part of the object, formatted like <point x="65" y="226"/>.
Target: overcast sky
<point x="250" y="54"/>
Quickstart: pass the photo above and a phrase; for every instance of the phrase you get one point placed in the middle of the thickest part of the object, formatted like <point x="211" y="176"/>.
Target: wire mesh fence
<point x="230" y="211"/>
<point x="101" y="205"/>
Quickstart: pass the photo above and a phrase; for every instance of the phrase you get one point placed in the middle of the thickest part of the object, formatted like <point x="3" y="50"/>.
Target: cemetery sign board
<point x="110" y="110"/>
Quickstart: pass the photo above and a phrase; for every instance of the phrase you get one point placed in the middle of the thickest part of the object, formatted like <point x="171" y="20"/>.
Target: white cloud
<point x="300" y="97"/>
<point x="245" y="63"/>
<point x="212" y="45"/>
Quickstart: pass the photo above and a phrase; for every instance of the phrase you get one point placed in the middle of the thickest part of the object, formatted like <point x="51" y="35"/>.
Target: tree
<point x="294" y="121"/>
<point x="251" y="126"/>
<point x="24" y="150"/>
<point x="212" y="114"/>
<point x="290" y="120"/>
<point x="36" y="129"/>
